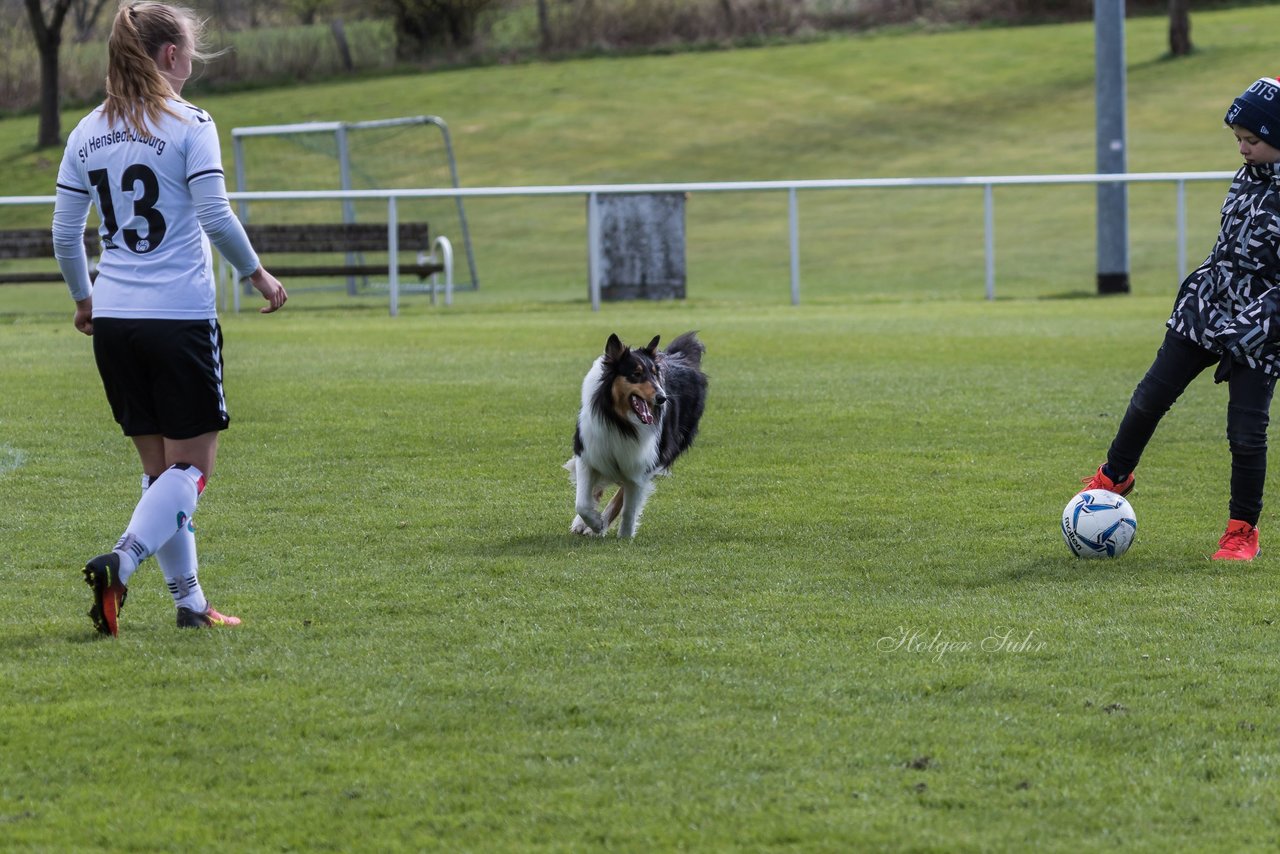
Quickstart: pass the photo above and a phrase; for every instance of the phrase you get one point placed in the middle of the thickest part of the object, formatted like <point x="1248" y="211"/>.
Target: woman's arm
<point x="209" y="195"/>
<point x="70" y="213"/>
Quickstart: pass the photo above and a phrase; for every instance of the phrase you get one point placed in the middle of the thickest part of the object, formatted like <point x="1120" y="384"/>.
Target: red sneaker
<point x="1240" y="542"/>
<point x="1100" y="481"/>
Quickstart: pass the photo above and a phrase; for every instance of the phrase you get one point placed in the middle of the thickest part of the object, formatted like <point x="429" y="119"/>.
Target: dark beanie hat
<point x="1258" y="110"/>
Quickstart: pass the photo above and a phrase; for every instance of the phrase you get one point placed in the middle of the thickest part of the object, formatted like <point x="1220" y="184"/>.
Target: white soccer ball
<point x="1097" y="523"/>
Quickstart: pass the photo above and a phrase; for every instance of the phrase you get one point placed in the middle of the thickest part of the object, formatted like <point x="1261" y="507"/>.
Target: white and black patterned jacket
<point x="1231" y="302"/>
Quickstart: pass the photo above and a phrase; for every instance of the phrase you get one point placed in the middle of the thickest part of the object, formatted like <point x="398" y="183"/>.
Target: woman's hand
<point x="270" y="288"/>
<point x="84" y="315"/>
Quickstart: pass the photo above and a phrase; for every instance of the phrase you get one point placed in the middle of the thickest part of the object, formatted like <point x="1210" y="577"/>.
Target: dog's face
<point x="635" y="380"/>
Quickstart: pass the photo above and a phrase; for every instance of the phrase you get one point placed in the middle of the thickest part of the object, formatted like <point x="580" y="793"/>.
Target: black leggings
<point x="1178" y="362"/>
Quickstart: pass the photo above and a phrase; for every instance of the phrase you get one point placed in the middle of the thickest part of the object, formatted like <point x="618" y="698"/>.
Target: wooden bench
<point x="349" y="239"/>
<point x="29" y="243"/>
<point x="346" y="243"/>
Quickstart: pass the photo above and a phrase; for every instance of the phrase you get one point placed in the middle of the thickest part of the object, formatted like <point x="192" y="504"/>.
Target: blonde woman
<point x="150" y="163"/>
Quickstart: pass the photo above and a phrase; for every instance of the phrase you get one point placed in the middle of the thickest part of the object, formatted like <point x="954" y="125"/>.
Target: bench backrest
<point x="38" y="243"/>
<point x="326" y="237"/>
<point x="335" y="237"/>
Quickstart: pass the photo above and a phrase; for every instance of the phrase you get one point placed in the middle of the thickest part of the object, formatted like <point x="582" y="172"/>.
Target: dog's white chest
<point x="615" y="456"/>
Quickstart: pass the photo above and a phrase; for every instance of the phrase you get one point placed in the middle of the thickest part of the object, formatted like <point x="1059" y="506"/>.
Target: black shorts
<point x="162" y="376"/>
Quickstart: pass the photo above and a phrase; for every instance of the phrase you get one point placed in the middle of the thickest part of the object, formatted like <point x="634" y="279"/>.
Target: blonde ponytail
<point x="137" y="93"/>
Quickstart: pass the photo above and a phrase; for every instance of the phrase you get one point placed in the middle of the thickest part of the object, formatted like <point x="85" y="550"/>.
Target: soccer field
<point x="848" y="622"/>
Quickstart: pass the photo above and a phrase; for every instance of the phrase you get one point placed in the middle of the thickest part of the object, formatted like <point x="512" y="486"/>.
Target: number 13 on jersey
<point x="139" y="182"/>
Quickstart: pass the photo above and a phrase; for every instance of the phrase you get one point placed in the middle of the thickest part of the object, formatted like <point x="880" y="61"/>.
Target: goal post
<point x="342" y="135"/>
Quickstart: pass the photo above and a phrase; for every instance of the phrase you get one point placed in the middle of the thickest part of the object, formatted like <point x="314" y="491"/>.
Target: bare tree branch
<point x="84" y="16"/>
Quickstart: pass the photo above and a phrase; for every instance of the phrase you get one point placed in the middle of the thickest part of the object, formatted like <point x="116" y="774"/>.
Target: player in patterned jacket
<point x="151" y="164"/>
<point x="1227" y="313"/>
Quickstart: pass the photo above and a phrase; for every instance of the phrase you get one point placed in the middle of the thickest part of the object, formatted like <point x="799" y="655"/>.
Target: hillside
<point x="992" y="101"/>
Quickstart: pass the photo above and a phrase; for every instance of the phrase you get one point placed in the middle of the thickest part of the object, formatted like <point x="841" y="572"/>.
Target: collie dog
<point x="640" y="410"/>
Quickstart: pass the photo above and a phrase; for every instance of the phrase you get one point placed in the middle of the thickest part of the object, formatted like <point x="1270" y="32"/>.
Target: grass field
<point x="848" y="621"/>
<point x="801" y="649"/>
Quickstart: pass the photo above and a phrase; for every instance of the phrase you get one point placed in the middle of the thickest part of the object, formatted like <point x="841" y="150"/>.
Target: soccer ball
<point x="1097" y="523"/>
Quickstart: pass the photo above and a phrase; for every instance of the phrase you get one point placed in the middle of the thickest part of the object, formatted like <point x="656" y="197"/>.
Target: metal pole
<point x="219" y="279"/>
<point x="462" y="213"/>
<point x="242" y="207"/>
<point x="1182" y="230"/>
<point x="793" y="217"/>
<point x="1113" y="199"/>
<point x="989" y="237"/>
<point x="344" y="172"/>
<point x="393" y="255"/>
<point x="595" y="256"/>
<point x="348" y="206"/>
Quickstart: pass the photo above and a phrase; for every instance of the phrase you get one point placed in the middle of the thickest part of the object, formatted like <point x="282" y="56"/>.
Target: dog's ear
<point x="614" y="348"/>
<point x="652" y="349"/>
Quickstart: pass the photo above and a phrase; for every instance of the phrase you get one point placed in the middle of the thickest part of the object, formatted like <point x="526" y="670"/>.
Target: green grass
<point x="431" y="661"/>
<point x="429" y="658"/>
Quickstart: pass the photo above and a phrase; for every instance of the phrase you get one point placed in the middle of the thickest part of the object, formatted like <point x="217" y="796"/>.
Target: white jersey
<point x="155" y="259"/>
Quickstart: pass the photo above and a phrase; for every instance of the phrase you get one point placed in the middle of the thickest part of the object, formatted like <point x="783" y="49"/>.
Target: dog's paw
<point x="584" y="528"/>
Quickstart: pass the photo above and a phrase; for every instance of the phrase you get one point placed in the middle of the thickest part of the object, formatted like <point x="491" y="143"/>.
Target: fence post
<point x="1182" y="230"/>
<point x="595" y="257"/>
<point x="1109" y="111"/>
<point x="393" y="253"/>
<point x="242" y="207"/>
<point x="793" y="218"/>
<point x="989" y="237"/>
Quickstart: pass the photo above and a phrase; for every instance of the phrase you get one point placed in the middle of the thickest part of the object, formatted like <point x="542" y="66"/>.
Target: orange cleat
<point x="188" y="619"/>
<point x="103" y="575"/>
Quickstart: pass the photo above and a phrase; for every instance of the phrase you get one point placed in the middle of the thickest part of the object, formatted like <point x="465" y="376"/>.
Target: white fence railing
<point x="791" y="188"/>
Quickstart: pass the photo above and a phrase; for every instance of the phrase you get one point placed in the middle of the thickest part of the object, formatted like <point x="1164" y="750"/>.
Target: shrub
<point x="294" y="53"/>
<point x="421" y="25"/>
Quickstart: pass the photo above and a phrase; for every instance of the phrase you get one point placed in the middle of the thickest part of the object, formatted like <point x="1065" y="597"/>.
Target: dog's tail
<point x="688" y="347"/>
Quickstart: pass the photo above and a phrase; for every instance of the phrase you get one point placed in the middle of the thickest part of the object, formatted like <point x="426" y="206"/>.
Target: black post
<point x="1113" y="199"/>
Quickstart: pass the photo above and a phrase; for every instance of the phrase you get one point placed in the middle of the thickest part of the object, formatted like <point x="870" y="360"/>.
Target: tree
<point x="84" y="14"/>
<point x="544" y="26"/>
<point x="424" y="24"/>
<point x="1179" y="27"/>
<point x="48" y="33"/>
<point x="308" y="10"/>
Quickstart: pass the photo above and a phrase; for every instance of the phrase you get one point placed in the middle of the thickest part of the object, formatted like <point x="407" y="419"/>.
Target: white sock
<point x="178" y="562"/>
<point x="164" y="509"/>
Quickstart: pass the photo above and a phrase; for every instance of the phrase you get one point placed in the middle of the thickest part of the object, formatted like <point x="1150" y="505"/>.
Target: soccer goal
<point x="368" y="155"/>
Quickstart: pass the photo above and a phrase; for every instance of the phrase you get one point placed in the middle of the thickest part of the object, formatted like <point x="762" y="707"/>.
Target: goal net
<point x="403" y="153"/>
